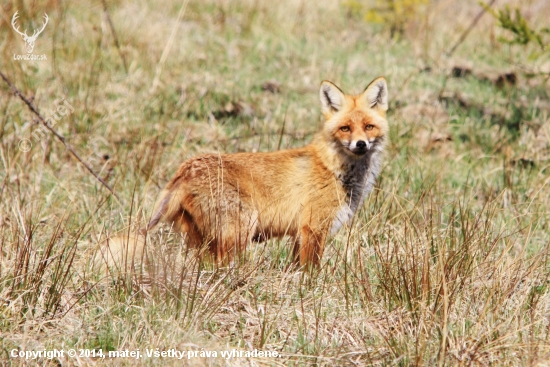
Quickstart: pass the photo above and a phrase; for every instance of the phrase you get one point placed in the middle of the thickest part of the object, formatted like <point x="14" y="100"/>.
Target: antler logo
<point x="29" y="40"/>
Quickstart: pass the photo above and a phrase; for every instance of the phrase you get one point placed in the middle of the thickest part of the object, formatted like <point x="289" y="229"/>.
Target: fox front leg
<point x="312" y="245"/>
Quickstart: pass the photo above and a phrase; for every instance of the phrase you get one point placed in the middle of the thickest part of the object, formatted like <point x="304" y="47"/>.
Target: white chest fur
<point x="358" y="180"/>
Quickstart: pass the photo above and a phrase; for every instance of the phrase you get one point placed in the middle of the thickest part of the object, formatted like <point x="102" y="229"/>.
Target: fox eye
<point x="344" y="128"/>
<point x="369" y="127"/>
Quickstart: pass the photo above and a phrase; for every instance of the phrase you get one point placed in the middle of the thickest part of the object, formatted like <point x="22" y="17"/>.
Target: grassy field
<point x="446" y="264"/>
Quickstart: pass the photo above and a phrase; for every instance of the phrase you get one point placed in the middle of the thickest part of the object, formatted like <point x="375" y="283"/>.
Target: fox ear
<point x="376" y="94"/>
<point x="332" y="98"/>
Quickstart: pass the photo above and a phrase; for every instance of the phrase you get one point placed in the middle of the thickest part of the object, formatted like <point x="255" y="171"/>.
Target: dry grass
<point x="446" y="264"/>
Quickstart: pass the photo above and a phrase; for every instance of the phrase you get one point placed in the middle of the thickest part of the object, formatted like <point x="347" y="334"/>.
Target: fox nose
<point x="361" y="144"/>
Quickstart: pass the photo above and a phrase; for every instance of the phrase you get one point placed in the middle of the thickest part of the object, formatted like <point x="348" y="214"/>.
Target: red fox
<point x="225" y="201"/>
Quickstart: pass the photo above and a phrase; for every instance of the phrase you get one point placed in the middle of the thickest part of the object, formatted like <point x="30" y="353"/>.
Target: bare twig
<point x="168" y="46"/>
<point x="57" y="135"/>
<point x="469" y="29"/>
<point x="117" y="44"/>
<point x="282" y="131"/>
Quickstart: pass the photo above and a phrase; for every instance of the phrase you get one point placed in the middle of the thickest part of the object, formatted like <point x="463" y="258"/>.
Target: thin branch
<point x="168" y="46"/>
<point x="113" y="31"/>
<point x="469" y="29"/>
<point x="282" y="131"/>
<point x="57" y="135"/>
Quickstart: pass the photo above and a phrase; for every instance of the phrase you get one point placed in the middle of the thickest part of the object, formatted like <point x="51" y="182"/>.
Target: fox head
<point x="355" y="124"/>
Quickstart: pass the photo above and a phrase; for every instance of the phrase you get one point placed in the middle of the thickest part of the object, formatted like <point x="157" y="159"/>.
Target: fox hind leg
<point x="185" y="224"/>
<point x="237" y="230"/>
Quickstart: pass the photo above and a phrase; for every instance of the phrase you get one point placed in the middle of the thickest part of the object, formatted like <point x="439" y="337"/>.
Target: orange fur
<point x="225" y="201"/>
